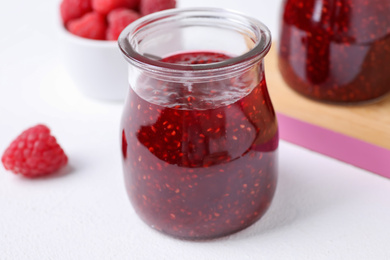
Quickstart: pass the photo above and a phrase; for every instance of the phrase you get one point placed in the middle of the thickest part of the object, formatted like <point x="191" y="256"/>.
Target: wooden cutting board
<point x="356" y="134"/>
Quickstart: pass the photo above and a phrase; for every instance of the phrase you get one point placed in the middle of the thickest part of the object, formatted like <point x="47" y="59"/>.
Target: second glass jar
<point x="336" y="50"/>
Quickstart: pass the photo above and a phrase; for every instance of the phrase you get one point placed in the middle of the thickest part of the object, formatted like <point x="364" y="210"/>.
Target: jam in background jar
<point x="199" y="133"/>
<point x="336" y="50"/>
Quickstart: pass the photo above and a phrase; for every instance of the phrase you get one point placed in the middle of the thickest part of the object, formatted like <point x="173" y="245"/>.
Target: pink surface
<point x="350" y="150"/>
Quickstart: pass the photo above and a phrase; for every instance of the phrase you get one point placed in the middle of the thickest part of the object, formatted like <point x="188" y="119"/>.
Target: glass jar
<point x="199" y="133"/>
<point x="336" y="50"/>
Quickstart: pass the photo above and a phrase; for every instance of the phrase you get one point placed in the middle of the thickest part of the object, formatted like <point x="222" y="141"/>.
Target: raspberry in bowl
<point x="89" y="30"/>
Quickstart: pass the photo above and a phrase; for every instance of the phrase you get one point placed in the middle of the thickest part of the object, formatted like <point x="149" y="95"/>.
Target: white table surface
<point x="323" y="208"/>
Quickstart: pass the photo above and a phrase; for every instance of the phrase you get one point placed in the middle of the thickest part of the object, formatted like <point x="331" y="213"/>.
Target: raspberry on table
<point x="118" y="19"/>
<point x="152" y="6"/>
<point x="92" y="25"/>
<point x="73" y="9"/>
<point x="35" y="152"/>
<point x="105" y="6"/>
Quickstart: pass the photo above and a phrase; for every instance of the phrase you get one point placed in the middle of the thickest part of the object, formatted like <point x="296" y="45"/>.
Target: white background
<point x="323" y="208"/>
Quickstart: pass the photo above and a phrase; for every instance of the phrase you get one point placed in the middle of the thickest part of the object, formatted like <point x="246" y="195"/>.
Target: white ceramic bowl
<point x="96" y="67"/>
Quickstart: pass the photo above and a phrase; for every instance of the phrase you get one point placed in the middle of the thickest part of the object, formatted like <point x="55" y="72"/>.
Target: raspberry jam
<point x="200" y="163"/>
<point x="199" y="133"/>
<point x="336" y="51"/>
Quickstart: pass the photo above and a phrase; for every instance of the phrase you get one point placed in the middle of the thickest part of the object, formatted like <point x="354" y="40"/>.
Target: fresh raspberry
<point x="91" y="25"/>
<point x="152" y="6"/>
<point x="118" y="19"/>
<point x="105" y="6"/>
<point x="73" y="9"/>
<point x="34" y="153"/>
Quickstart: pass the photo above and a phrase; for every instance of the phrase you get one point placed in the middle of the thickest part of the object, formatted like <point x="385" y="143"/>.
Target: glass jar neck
<point x="147" y="40"/>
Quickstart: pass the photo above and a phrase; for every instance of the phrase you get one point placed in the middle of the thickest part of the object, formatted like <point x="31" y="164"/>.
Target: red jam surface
<point x="200" y="162"/>
<point x="336" y="50"/>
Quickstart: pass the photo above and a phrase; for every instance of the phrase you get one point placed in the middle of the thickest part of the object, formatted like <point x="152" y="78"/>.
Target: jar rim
<point x="256" y="53"/>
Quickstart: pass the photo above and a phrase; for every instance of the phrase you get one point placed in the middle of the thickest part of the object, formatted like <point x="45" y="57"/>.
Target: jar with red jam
<point x="199" y="134"/>
<point x="336" y="50"/>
